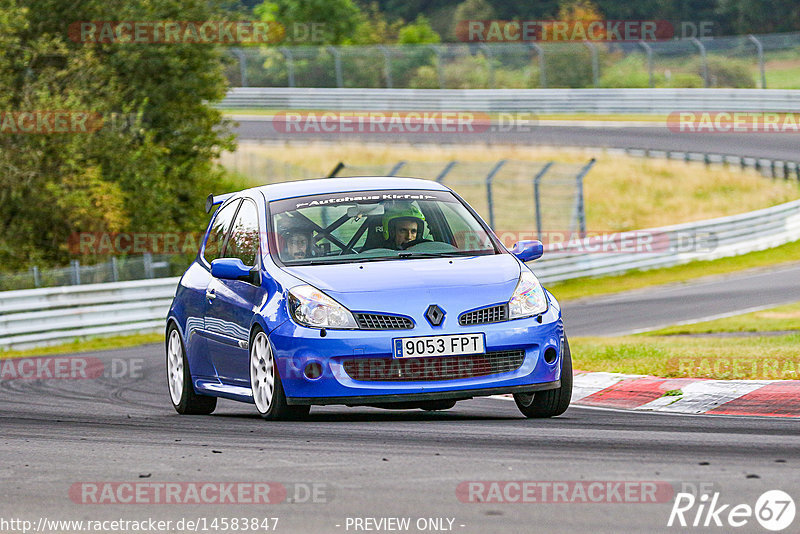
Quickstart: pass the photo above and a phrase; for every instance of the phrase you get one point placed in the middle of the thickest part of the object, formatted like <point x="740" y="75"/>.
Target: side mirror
<point x="528" y="250"/>
<point x="231" y="269"/>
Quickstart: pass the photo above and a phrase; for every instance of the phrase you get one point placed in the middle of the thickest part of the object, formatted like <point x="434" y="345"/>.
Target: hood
<point x="408" y="286"/>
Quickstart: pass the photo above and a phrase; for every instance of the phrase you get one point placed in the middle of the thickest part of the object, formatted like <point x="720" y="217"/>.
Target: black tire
<point x="189" y="403"/>
<point x="552" y="402"/>
<point x="435" y="406"/>
<point x="278" y="409"/>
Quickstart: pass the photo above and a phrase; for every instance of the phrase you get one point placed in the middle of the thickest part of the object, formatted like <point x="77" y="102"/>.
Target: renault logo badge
<point x="434" y="314"/>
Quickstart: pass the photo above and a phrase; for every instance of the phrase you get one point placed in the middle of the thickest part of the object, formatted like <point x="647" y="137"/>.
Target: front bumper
<point x="462" y="394"/>
<point x="296" y="346"/>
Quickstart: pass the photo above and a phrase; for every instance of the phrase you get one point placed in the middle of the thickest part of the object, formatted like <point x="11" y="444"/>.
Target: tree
<point x="418" y="32"/>
<point x="337" y="21"/>
<point x="148" y="171"/>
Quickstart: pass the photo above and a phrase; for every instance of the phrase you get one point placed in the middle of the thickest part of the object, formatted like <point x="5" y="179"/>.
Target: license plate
<point x="454" y="345"/>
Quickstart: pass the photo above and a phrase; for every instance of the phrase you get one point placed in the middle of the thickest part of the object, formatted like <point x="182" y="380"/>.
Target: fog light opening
<point x="550" y="355"/>
<point x="313" y="370"/>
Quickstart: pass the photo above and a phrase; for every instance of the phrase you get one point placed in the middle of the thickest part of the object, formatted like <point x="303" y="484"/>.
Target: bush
<point x="472" y="72"/>
<point x="725" y="72"/>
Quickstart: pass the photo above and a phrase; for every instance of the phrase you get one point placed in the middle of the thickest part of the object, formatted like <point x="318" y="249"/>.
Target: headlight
<point x="311" y="307"/>
<point x="528" y="299"/>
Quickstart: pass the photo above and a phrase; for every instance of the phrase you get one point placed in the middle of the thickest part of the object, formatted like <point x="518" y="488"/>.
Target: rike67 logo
<point x="774" y="510"/>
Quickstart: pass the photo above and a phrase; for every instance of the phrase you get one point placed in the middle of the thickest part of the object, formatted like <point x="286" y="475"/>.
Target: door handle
<point x="210" y="295"/>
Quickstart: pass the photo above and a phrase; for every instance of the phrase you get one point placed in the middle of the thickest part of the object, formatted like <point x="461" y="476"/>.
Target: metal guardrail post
<point x="37" y="279"/>
<point x="537" y="199"/>
<point x="439" y="66"/>
<point x="114" y="269"/>
<point x="287" y="53"/>
<point x="242" y="65"/>
<point x="75" y="272"/>
<point x="387" y="65"/>
<point x="488" y="52"/>
<point x="761" y="66"/>
<point x="701" y="47"/>
<point x="649" y="51"/>
<point x="489" y="199"/>
<point x="337" y="65"/>
<point x="147" y="263"/>
<point x="445" y="171"/>
<point x="581" y="207"/>
<point x="396" y="168"/>
<point x="542" y="64"/>
<point x="335" y="171"/>
<point x="595" y="63"/>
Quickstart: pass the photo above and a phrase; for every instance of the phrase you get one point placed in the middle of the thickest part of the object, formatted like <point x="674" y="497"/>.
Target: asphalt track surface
<point x="687" y="302"/>
<point x="763" y="145"/>
<point x="372" y="463"/>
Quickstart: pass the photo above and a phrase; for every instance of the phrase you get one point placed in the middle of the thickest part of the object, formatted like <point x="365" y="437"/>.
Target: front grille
<point x="433" y="368"/>
<point x="380" y="321"/>
<point x="492" y="314"/>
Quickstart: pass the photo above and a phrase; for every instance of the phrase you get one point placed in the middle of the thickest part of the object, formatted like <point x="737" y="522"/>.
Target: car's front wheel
<point x="265" y="382"/>
<point x="179" y="379"/>
<point x="552" y="402"/>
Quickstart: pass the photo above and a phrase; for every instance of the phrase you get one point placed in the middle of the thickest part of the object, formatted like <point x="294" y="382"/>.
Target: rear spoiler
<point x="213" y="200"/>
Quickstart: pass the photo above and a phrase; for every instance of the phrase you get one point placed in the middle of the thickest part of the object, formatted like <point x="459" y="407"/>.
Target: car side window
<point x="243" y="242"/>
<point x="219" y="229"/>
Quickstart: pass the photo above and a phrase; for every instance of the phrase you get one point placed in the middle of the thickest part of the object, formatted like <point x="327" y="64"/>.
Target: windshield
<point x="375" y="226"/>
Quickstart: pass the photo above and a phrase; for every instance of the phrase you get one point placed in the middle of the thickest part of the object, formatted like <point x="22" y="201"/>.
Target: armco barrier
<point x="35" y="317"/>
<point x="719" y="238"/>
<point x="50" y="315"/>
<point x="537" y="101"/>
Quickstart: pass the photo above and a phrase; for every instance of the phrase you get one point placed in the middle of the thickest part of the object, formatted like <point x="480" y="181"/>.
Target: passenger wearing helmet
<point x="402" y="226"/>
<point x="297" y="241"/>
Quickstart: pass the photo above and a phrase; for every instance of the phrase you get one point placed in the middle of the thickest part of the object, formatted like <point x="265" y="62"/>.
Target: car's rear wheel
<point x="265" y="382"/>
<point x="179" y="380"/>
<point x="552" y="402"/>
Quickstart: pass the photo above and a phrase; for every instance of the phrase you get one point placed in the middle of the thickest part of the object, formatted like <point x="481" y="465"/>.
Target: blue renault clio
<point x="386" y="292"/>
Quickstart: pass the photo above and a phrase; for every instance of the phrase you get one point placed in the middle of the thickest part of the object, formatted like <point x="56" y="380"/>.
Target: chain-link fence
<point x="511" y="195"/>
<point x="113" y="270"/>
<point x="770" y="60"/>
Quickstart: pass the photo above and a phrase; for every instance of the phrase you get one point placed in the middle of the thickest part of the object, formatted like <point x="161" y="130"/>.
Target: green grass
<point x="104" y="343"/>
<point x="780" y="319"/>
<point x="662" y="353"/>
<point x="725" y="358"/>
<point x="591" y="287"/>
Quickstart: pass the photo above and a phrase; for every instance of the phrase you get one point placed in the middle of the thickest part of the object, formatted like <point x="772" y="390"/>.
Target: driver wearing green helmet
<point x="403" y="226"/>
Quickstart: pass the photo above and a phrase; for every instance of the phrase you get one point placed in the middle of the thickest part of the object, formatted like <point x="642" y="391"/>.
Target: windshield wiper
<point x="443" y="254"/>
